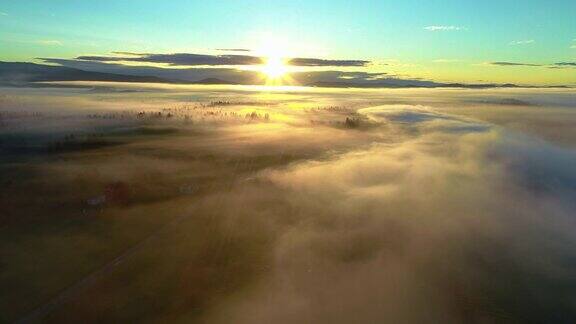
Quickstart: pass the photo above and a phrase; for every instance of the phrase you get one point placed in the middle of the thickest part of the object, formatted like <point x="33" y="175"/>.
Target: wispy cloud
<point x="49" y="42"/>
<point x="564" y="65"/>
<point x="522" y="42"/>
<point x="558" y="65"/>
<point x="512" y="64"/>
<point x="233" y="49"/>
<point x="446" y="61"/>
<point x="129" y="53"/>
<point x="189" y="59"/>
<point x="2" y="13"/>
<point x="444" y="28"/>
<point x="332" y="77"/>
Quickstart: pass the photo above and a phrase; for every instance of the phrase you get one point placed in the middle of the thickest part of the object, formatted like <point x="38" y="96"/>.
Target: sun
<point x="274" y="68"/>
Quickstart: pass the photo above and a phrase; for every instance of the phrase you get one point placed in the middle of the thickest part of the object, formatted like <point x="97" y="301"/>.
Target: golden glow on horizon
<point x="275" y="68"/>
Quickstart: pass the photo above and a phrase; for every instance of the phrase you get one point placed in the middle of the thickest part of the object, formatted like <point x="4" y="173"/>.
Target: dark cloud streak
<point x="513" y="64"/>
<point x="187" y="59"/>
<point x="564" y="65"/>
<point x="224" y="73"/>
<point x="233" y="49"/>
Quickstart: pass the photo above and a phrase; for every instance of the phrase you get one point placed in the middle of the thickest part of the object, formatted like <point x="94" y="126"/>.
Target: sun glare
<point x="274" y="68"/>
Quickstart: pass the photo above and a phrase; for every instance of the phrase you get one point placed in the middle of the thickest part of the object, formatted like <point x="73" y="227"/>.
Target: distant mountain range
<point x="17" y="73"/>
<point x="29" y="74"/>
<point x="398" y="83"/>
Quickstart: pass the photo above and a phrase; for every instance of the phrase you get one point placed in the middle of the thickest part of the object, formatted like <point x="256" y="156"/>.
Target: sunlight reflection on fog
<point x="299" y="204"/>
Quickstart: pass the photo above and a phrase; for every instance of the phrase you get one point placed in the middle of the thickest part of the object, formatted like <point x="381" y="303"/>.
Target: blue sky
<point x="459" y="34"/>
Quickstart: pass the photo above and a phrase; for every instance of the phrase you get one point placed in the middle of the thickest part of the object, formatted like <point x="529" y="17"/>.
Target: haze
<point x="308" y="162"/>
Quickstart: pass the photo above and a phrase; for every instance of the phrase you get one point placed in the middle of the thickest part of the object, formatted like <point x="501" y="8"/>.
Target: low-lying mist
<point x="226" y="204"/>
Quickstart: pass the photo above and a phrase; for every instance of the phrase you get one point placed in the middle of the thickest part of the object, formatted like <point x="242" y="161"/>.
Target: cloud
<point x="559" y="65"/>
<point x="178" y="59"/>
<point x="189" y="59"/>
<point x="184" y="73"/>
<point x="361" y="75"/>
<point x="444" y="28"/>
<point x="128" y="53"/>
<point x="522" y="42"/>
<point x="233" y="49"/>
<point x="326" y="78"/>
<point x="322" y="62"/>
<point x="225" y="73"/>
<point x="49" y="42"/>
<point x="446" y="61"/>
<point x="3" y="13"/>
<point x="564" y="65"/>
<point x="231" y="74"/>
<point x="513" y="64"/>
